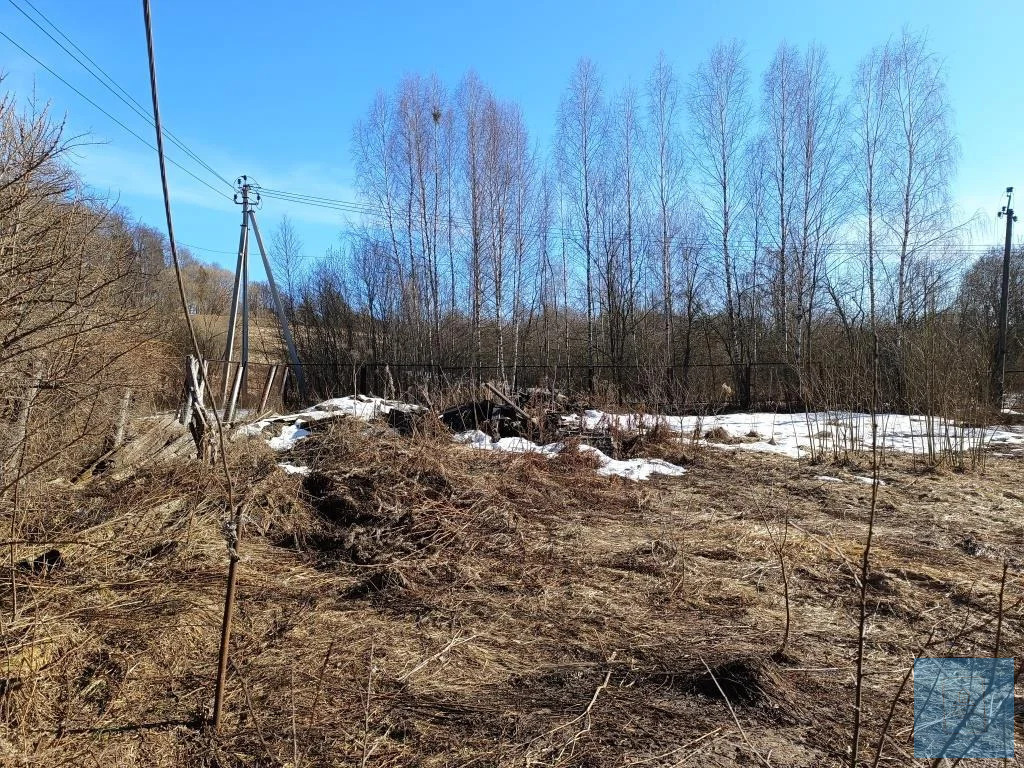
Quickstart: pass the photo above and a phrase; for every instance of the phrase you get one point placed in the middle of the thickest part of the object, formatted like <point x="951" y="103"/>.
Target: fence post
<point x="185" y="412"/>
<point x="122" y="419"/>
<point x="284" y="380"/>
<point x="204" y="365"/>
<point x="271" y="374"/>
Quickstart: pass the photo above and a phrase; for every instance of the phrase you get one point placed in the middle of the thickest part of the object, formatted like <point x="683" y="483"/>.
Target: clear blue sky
<point x="273" y="89"/>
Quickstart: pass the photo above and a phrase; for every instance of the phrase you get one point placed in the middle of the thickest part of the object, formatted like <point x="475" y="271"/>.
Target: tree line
<point x="88" y="305"/>
<point x="682" y="236"/>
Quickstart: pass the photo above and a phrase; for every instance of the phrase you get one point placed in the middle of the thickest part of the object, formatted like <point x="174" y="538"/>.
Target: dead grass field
<point x="265" y="345"/>
<point x="416" y="603"/>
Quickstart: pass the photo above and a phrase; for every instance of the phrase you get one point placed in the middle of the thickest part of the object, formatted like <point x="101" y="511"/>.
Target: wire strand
<point x="461" y="223"/>
<point x="114" y="87"/>
<point x="170" y="160"/>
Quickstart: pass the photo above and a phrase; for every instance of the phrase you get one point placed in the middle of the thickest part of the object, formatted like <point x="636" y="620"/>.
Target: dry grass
<point x="417" y="603"/>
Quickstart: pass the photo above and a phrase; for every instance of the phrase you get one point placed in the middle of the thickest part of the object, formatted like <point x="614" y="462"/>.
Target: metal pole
<point x="229" y="408"/>
<point x="279" y="308"/>
<point x="999" y="366"/>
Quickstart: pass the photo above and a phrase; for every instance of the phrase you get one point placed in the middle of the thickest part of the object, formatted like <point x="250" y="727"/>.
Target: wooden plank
<point x="185" y="412"/>
<point x="284" y="381"/>
<point x="122" y="419"/>
<point x="507" y="401"/>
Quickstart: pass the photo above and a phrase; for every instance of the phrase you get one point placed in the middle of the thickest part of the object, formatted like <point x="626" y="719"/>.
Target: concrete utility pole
<point x="247" y="196"/>
<point x="999" y="366"/>
<point x="239" y="290"/>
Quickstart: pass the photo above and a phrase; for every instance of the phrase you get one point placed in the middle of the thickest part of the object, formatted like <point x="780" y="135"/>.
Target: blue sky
<point x="273" y="89"/>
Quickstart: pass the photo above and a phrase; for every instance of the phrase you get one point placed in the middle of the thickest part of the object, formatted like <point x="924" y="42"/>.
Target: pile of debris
<point x="537" y="414"/>
<point x="498" y="424"/>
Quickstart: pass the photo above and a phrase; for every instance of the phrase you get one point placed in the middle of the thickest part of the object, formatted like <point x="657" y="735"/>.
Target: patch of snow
<point x="868" y="480"/>
<point x="631" y="469"/>
<point x="290" y="435"/>
<point x="786" y="434"/>
<point x="360" y="407"/>
<point x="828" y="479"/>
<point x="476" y="439"/>
<point x="254" y="429"/>
<point x="522" y="445"/>
<point x="793" y="434"/>
<point x="294" y="469"/>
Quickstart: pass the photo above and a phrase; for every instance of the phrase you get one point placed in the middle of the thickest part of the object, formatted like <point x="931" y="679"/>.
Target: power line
<point x="123" y="95"/>
<point x="208" y="250"/>
<point x="347" y="206"/>
<point x="369" y="209"/>
<point x="105" y="112"/>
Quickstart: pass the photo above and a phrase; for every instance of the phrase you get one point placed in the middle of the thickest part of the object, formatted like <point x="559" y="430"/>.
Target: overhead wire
<point x="209" y="250"/>
<point x="62" y="79"/>
<point x="349" y="206"/>
<point x="369" y="209"/>
<point x="110" y="83"/>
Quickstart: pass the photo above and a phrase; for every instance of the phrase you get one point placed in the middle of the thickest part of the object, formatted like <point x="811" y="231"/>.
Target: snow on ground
<point x="366" y="408"/>
<point x="631" y="469"/>
<point x="867" y="480"/>
<point x="361" y="407"/>
<point x="791" y="434"/>
<point x="788" y="434"/>
<point x="290" y="435"/>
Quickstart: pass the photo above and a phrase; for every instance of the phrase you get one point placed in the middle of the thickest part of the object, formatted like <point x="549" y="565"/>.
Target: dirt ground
<point x="412" y="602"/>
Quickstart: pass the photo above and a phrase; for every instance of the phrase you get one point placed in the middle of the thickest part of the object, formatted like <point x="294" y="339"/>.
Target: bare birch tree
<point x="721" y="116"/>
<point x="819" y="187"/>
<point x="668" y="173"/>
<point x="473" y="96"/>
<point x="779" y="116"/>
<point x="286" y="260"/>
<point x="581" y="142"/>
<point x="920" y="159"/>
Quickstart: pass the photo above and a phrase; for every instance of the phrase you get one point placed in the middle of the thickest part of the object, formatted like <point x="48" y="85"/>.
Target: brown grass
<point x="417" y="603"/>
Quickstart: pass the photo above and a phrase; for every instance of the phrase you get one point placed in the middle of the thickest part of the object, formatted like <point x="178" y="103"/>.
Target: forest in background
<point x="691" y="237"/>
<point x="692" y="240"/>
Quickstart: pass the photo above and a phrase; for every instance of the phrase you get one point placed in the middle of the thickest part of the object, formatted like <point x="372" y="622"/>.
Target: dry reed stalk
<point x="367" y="750"/>
<point x="999" y="613"/>
<point x="866" y="553"/>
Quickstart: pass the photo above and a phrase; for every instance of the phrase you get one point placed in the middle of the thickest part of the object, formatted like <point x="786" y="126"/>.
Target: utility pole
<point x="999" y="365"/>
<point x="238" y="291"/>
<point x="247" y="196"/>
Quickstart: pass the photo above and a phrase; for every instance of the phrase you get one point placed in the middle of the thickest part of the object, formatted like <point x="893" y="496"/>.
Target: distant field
<point x="265" y="342"/>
